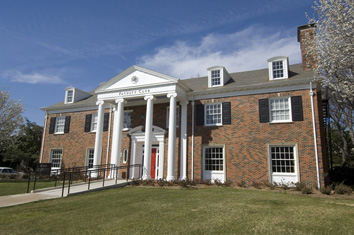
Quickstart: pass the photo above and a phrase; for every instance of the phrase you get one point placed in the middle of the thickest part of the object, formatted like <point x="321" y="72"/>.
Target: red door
<point x="153" y="163"/>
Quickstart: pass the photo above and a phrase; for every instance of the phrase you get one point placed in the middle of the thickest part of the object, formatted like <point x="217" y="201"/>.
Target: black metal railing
<point x="84" y="175"/>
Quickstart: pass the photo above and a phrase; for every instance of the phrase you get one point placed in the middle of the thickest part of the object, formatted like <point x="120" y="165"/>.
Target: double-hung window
<point x="56" y="156"/>
<point x="94" y="122"/>
<point x="89" y="158"/>
<point x="280" y="110"/>
<point x="69" y="96"/>
<point x="278" y="69"/>
<point x="213" y="158"/>
<point x="282" y="159"/>
<point x="168" y="116"/>
<point x="215" y="78"/>
<point x="125" y="156"/>
<point x="128" y="120"/>
<point x="60" y="125"/>
<point x="213" y="114"/>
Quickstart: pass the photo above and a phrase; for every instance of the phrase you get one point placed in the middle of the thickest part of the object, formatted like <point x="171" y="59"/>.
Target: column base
<point x="170" y="178"/>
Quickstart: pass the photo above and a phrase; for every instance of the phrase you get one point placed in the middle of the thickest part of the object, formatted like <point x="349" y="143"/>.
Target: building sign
<point x="134" y="92"/>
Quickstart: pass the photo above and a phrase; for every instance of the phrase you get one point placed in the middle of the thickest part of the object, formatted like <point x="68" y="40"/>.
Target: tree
<point x="334" y="47"/>
<point x="10" y="117"/>
<point x="25" y="147"/>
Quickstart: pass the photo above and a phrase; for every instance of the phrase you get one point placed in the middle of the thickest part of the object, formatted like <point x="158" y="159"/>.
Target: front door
<point x="153" y="162"/>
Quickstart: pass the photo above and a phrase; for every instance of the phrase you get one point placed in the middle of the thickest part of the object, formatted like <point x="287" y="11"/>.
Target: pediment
<point x="136" y="77"/>
<point x="139" y="130"/>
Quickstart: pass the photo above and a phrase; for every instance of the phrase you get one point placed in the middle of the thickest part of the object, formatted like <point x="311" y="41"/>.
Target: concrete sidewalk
<point x="51" y="193"/>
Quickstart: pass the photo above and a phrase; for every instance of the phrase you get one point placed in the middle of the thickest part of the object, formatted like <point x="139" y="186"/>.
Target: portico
<point x="139" y="86"/>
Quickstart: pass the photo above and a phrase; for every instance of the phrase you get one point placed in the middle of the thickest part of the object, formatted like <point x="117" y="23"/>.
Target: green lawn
<point x="135" y="210"/>
<point x="17" y="186"/>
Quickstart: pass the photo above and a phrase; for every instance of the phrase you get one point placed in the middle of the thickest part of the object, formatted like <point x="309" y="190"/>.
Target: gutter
<point x="192" y="170"/>
<point x="43" y="136"/>
<point x="315" y="136"/>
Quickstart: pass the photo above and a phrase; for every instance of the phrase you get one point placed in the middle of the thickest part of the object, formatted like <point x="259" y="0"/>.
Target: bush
<point x="343" y="189"/>
<point x="271" y="186"/>
<point x="242" y="184"/>
<point x="218" y="182"/>
<point x="256" y="185"/>
<point x="306" y="190"/>
<point x="161" y="183"/>
<point x="327" y="190"/>
<point x="227" y="183"/>
<point x="135" y="183"/>
<point x="299" y="186"/>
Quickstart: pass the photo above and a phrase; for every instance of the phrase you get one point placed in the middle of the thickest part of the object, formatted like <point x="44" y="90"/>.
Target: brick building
<point x="262" y="125"/>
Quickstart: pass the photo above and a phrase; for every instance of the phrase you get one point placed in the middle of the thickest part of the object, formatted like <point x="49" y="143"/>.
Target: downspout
<point x="192" y="170"/>
<point x="109" y="133"/>
<point x="43" y="136"/>
<point x="315" y="136"/>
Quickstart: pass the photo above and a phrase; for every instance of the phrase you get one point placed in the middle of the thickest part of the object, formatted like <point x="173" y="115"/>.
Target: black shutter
<point x="263" y="110"/>
<point x="52" y="125"/>
<point x="226" y="113"/>
<point x="105" y="121"/>
<point x="200" y="115"/>
<point x="88" y="122"/>
<point x="67" y="124"/>
<point x="296" y="108"/>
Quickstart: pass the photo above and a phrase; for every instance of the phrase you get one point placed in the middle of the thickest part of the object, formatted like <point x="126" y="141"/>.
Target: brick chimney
<point x="306" y="37"/>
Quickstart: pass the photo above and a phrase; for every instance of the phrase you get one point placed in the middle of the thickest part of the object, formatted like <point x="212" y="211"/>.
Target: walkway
<point x="51" y="193"/>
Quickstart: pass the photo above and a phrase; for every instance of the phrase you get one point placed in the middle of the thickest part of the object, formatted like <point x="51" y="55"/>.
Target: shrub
<point x="227" y="183"/>
<point x="161" y="183"/>
<point x="327" y="190"/>
<point x="183" y="183"/>
<point x="299" y="186"/>
<point x="218" y="182"/>
<point x="306" y="190"/>
<point x="148" y="182"/>
<point x="242" y="184"/>
<point x="208" y="182"/>
<point x="256" y="184"/>
<point x="343" y="189"/>
<point x="271" y="186"/>
<point x="135" y="183"/>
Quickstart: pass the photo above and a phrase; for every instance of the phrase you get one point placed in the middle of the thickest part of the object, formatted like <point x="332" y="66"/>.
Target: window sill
<point x="59" y="133"/>
<point x="211" y="125"/>
<point x="283" y="122"/>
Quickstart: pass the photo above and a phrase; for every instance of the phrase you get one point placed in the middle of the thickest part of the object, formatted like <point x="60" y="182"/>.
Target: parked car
<point x="8" y="172"/>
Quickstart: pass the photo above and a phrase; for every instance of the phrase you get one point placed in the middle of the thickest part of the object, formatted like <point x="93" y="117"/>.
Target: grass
<point x="136" y="210"/>
<point x="18" y="186"/>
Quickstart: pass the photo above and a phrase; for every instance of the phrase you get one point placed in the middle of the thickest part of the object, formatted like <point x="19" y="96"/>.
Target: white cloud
<point x="32" y="78"/>
<point x="245" y="50"/>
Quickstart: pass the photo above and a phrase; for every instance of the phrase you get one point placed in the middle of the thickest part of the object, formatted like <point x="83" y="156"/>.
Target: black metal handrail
<point x="84" y="173"/>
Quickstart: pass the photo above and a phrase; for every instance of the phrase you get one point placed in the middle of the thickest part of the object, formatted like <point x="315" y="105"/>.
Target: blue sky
<point x="46" y="46"/>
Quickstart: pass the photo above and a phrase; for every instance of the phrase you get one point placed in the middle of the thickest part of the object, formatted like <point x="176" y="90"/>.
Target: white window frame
<point x="69" y="96"/>
<point x="205" y="115"/>
<point x="124" y="122"/>
<point x="53" y="153"/>
<point x="213" y="77"/>
<point x="211" y="159"/>
<point x="285" y="61"/>
<point x="90" y="156"/>
<point x="287" y="177"/>
<point x="94" y="119"/>
<point x="59" y="125"/>
<point x="271" y="110"/>
<point x="168" y="116"/>
<point x="125" y="156"/>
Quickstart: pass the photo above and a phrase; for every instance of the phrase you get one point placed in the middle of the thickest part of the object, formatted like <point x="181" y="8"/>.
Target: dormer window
<point x="69" y="96"/>
<point x="278" y="67"/>
<point x="217" y="76"/>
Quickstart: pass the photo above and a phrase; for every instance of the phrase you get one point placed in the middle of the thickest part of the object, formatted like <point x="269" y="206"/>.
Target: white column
<point x="183" y="157"/>
<point x="171" y="138"/>
<point x="148" y="137"/>
<point x="98" y="140"/>
<point x="117" y="132"/>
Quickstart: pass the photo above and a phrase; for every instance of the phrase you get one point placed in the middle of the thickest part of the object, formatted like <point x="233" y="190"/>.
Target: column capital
<point x="184" y="102"/>
<point x="149" y="97"/>
<point x="99" y="102"/>
<point x="120" y="100"/>
<point x="169" y="95"/>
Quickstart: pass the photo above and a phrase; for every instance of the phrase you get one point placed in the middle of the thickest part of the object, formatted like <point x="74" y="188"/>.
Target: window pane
<point x="56" y="157"/>
<point x="59" y="126"/>
<point x="69" y="97"/>
<point x="279" y="109"/>
<point x="213" y="159"/>
<point x="90" y="154"/>
<point x="94" y="122"/>
<point x="213" y="114"/>
<point x="283" y="159"/>
<point x="128" y="119"/>
<point x="215" y="77"/>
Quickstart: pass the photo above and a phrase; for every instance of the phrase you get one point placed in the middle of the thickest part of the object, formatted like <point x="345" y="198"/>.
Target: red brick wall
<point x="246" y="140"/>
